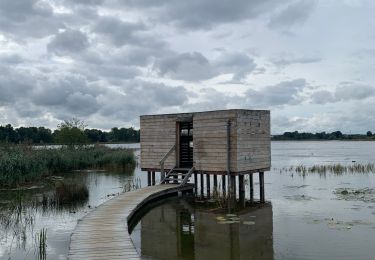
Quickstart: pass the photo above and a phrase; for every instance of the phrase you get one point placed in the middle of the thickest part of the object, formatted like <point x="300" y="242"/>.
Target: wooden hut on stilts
<point x="211" y="149"/>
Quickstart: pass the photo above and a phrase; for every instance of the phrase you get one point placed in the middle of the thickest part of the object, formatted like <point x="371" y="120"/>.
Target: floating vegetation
<point x="301" y="197"/>
<point x="337" y="169"/>
<point x="233" y="219"/>
<point x="350" y="194"/>
<point x="340" y="224"/>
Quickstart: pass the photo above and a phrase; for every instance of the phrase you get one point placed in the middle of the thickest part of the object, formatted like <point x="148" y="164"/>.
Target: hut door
<point x="186" y="144"/>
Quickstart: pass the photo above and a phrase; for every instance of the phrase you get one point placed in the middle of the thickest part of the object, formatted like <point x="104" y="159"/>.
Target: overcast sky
<point x="311" y="62"/>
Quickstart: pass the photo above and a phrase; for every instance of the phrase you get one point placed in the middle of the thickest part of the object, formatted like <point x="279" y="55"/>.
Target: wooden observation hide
<point x="224" y="142"/>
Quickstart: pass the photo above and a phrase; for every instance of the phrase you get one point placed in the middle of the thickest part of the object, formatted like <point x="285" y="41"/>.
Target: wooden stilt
<point x="233" y="187"/>
<point x="202" y="185"/>
<point x="175" y="178"/>
<point x="148" y="178"/>
<point x="215" y="184"/>
<point x="208" y="184"/>
<point x="261" y="186"/>
<point x="195" y="183"/>
<point x="251" y="184"/>
<point x="153" y="178"/>
<point x="223" y="184"/>
<point x="241" y="190"/>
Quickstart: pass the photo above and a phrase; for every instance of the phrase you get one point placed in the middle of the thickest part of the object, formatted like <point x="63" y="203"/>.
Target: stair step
<point x="177" y="174"/>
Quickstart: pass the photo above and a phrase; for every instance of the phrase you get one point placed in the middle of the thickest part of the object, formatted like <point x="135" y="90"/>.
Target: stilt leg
<point x="153" y="178"/>
<point x="261" y="186"/>
<point x="215" y="184"/>
<point x="195" y="183"/>
<point x="223" y="184"/>
<point x="202" y="185"/>
<point x="241" y="190"/>
<point x="208" y="184"/>
<point x="251" y="188"/>
<point x="148" y="178"/>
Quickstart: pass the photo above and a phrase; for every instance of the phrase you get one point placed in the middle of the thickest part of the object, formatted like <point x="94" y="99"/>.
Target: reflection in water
<point x="175" y="230"/>
<point x="53" y="208"/>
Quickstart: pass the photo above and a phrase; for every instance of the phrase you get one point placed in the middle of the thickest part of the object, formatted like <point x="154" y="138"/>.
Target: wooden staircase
<point x="178" y="175"/>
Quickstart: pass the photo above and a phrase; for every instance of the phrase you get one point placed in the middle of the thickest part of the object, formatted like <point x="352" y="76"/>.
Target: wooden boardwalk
<point x="103" y="233"/>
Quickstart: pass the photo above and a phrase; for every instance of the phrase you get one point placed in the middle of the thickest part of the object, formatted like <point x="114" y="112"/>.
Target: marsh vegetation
<point x="20" y="164"/>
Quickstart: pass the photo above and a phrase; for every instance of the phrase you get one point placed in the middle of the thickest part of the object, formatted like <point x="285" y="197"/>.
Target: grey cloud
<point x="82" y="104"/>
<point x="14" y="84"/>
<point x="295" y="13"/>
<point x="284" y="93"/>
<point x="237" y="63"/>
<point x="344" y="92"/>
<point x="119" y="32"/>
<point x="27" y="18"/>
<point x="141" y="97"/>
<point x="351" y="91"/>
<point x="186" y="66"/>
<point x="322" y="97"/>
<point x="196" y="67"/>
<point x="286" y="61"/>
<point x="197" y="14"/>
<point x="11" y="58"/>
<point x="68" y="42"/>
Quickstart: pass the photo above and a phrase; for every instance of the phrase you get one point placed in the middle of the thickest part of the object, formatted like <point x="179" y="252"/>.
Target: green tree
<point x="71" y="132"/>
<point x="369" y="133"/>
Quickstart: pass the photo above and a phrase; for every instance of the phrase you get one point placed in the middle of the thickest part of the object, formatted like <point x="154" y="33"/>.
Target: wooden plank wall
<point x="210" y="140"/>
<point x="253" y="140"/>
<point x="158" y="135"/>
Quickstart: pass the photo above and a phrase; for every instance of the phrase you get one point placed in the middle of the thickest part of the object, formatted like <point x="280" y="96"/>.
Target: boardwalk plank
<point x="103" y="233"/>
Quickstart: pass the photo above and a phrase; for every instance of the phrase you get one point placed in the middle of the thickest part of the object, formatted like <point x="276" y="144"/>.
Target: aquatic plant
<point x="69" y="193"/>
<point x="331" y="168"/>
<point x="132" y="184"/>
<point x="22" y="164"/>
<point x="42" y="244"/>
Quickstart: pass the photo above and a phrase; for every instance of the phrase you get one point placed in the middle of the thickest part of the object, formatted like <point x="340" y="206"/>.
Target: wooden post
<point x="148" y="178"/>
<point x="175" y="178"/>
<point x="208" y="185"/>
<point x="241" y="190"/>
<point x="196" y="183"/>
<point x="261" y="186"/>
<point x="223" y="185"/>
<point x="215" y="184"/>
<point x="251" y="188"/>
<point x="233" y="191"/>
<point x="153" y="178"/>
<point x="202" y="186"/>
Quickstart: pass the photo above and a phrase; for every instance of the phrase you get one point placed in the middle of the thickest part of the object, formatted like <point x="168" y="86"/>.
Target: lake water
<point x="307" y="217"/>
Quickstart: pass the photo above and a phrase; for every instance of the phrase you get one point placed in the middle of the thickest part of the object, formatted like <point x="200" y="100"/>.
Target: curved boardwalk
<point x="103" y="233"/>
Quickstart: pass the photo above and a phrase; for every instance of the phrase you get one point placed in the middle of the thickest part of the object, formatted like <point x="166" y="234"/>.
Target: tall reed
<point x="22" y="164"/>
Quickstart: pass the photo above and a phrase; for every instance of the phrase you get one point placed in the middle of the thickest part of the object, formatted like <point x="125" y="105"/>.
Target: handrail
<point x="187" y="176"/>
<point x="165" y="158"/>
<point x="166" y="176"/>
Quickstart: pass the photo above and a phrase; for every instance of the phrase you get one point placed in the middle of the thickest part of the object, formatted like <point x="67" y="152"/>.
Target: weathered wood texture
<point x="254" y="140"/>
<point x="103" y="233"/>
<point x="158" y="135"/>
<point x="250" y="140"/>
<point x="210" y="140"/>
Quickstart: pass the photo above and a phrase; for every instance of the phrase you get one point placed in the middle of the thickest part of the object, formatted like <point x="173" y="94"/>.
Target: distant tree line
<point x="69" y="131"/>
<point x="337" y="135"/>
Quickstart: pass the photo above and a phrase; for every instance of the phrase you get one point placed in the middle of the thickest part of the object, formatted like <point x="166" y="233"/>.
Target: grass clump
<point x="23" y="164"/>
<point x="337" y="168"/>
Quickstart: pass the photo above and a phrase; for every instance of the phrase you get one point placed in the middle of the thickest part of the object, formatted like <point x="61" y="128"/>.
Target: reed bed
<point x="337" y="169"/>
<point x="23" y="164"/>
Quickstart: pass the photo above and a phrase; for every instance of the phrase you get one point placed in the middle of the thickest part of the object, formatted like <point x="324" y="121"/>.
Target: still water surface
<point x="305" y="219"/>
